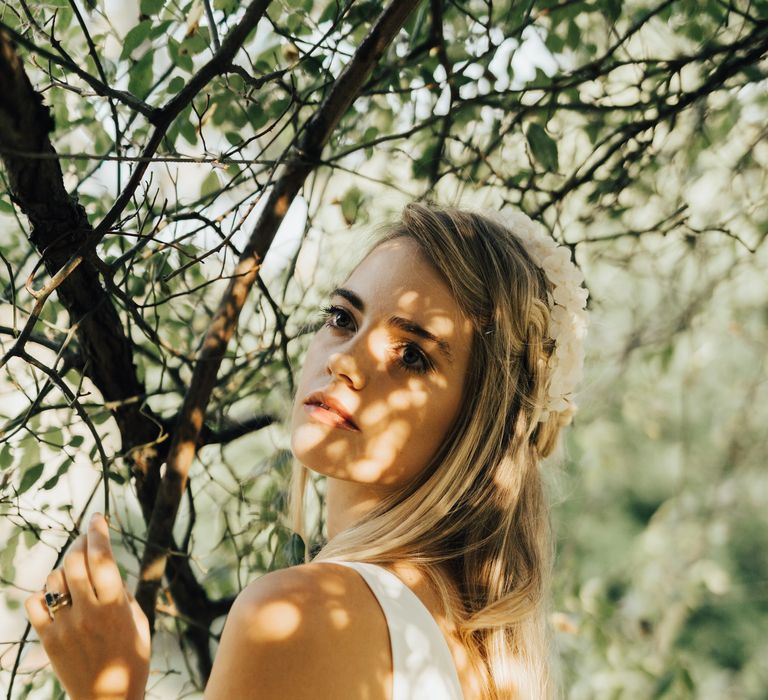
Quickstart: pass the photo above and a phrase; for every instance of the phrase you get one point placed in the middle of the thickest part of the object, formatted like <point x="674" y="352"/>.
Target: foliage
<point x="635" y="131"/>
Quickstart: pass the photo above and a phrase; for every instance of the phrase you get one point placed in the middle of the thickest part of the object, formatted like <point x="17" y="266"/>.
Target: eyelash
<point x="327" y="315"/>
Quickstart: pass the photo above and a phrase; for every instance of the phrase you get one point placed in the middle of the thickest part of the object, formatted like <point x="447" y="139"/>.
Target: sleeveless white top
<point x="423" y="667"/>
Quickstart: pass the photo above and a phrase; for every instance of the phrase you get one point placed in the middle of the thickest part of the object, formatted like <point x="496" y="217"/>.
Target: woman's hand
<point x="98" y="645"/>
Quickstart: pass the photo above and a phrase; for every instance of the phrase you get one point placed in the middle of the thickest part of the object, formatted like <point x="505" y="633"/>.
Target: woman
<point x="441" y="377"/>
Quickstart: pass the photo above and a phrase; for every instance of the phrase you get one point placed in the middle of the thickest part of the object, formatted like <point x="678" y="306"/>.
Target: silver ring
<point x="56" y="601"/>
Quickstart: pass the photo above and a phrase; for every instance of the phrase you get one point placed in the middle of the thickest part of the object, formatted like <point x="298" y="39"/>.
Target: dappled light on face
<point x="392" y="356"/>
<point x="308" y="436"/>
<point x="382" y="461"/>
<point x="414" y="396"/>
<point x="375" y="413"/>
<point x="388" y="445"/>
<point x="379" y="341"/>
<point x="440" y="381"/>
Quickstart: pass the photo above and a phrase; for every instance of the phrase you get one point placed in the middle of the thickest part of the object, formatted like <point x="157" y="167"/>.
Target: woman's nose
<point x="344" y="366"/>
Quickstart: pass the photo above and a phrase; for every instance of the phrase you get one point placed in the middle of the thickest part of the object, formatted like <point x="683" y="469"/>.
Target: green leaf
<point x="116" y="477"/>
<point x="30" y="477"/>
<point x="196" y="43"/>
<point x="176" y="84"/>
<point x="279" y="106"/>
<point x="50" y="483"/>
<point x="687" y="680"/>
<point x="227" y="6"/>
<point x="180" y="58"/>
<point x="663" y="684"/>
<point x="543" y="146"/>
<point x="101" y="417"/>
<point x="210" y="185"/>
<point x="312" y="65"/>
<point x="30" y="453"/>
<point x="55" y="478"/>
<point x="257" y="116"/>
<point x="136" y="285"/>
<point x="8" y="554"/>
<point x="554" y="42"/>
<point x="76" y="441"/>
<point x="295" y="22"/>
<point x="6" y="457"/>
<point x="573" y="35"/>
<point x="30" y="537"/>
<point x="612" y="9"/>
<point x="295" y="550"/>
<point x="187" y="128"/>
<point x="350" y="205"/>
<point x="593" y="130"/>
<point x="55" y="436"/>
<point x="151" y="7"/>
<point x="140" y="75"/>
<point x="422" y="165"/>
<point x="134" y="38"/>
<point x="330" y="12"/>
<point x="234" y="138"/>
<point x="160" y="28"/>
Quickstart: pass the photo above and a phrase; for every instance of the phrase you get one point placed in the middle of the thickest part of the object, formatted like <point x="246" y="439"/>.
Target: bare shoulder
<point x="309" y="631"/>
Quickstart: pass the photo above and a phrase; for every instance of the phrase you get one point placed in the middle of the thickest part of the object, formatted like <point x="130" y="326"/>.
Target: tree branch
<point x="315" y="135"/>
<point x="58" y="227"/>
<point x="219" y="63"/>
<point x="98" y="87"/>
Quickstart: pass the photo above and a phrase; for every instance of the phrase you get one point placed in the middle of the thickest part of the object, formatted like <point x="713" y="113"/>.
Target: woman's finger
<point x="105" y="575"/>
<point x="37" y="613"/>
<point x="76" y="573"/>
<point x="56" y="582"/>
<point x="141" y="622"/>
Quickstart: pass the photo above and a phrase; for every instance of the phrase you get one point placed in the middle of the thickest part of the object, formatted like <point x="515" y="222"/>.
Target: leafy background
<point x="635" y="131"/>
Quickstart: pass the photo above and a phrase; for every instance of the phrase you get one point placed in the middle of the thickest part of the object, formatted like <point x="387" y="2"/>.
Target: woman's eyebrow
<point x="398" y="322"/>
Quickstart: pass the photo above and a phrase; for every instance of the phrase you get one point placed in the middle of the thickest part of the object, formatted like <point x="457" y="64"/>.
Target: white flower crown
<point x="568" y="319"/>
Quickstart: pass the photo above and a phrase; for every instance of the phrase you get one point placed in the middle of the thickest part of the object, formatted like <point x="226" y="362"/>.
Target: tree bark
<point x="304" y="159"/>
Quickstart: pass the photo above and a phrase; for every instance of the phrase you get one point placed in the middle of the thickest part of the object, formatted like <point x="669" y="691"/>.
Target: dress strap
<point x="423" y="666"/>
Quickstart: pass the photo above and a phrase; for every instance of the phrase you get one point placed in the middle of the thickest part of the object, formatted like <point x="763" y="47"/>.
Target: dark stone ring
<point x="55" y="601"/>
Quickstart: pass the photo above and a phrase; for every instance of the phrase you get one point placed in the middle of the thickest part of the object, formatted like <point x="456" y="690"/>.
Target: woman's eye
<point x="407" y="354"/>
<point x="413" y="359"/>
<point x="337" y="317"/>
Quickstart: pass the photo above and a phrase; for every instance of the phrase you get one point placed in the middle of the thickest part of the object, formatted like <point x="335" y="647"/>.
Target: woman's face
<point x="383" y="378"/>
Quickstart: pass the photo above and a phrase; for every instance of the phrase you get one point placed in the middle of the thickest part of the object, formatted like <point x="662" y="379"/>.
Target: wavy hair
<point x="479" y="508"/>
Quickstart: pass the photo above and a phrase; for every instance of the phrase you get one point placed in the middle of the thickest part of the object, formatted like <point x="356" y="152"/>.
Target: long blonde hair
<point x="479" y="507"/>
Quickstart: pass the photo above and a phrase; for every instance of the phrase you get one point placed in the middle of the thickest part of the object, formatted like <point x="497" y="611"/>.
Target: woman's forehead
<point x="395" y="279"/>
<point x="399" y="272"/>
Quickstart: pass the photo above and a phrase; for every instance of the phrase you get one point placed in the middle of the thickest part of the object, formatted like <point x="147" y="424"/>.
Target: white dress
<point x="422" y="662"/>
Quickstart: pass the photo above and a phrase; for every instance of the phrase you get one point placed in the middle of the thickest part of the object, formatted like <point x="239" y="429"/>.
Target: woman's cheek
<point x="413" y="398"/>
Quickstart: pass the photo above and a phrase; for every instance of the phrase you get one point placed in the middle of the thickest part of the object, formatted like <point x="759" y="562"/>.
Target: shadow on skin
<point x="403" y="389"/>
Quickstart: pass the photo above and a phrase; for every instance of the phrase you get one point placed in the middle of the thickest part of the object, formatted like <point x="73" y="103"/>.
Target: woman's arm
<point x="266" y="639"/>
<point x="304" y="633"/>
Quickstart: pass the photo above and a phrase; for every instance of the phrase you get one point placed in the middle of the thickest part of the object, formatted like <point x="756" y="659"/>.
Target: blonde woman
<point x="442" y="375"/>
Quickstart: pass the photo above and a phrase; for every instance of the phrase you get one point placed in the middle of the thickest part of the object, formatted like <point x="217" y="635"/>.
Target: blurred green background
<point x="635" y="131"/>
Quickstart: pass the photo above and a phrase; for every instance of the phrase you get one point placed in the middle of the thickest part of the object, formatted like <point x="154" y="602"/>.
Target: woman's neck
<point x="346" y="502"/>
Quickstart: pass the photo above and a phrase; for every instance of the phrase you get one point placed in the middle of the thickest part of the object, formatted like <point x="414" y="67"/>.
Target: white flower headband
<point x="568" y="319"/>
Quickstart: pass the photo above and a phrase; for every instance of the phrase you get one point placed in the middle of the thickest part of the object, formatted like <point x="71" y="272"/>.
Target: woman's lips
<point x="327" y="416"/>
